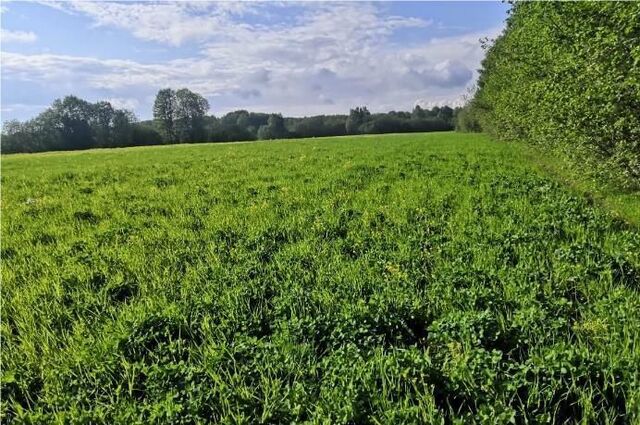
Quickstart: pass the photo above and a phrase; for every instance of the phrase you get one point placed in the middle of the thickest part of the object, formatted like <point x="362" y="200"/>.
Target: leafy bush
<point x="564" y="76"/>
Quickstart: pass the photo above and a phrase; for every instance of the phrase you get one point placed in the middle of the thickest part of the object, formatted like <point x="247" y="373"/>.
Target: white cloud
<point x="175" y="23"/>
<point x="128" y="103"/>
<point x="324" y="58"/>
<point x="170" y="23"/>
<point x="8" y="36"/>
<point x="12" y="107"/>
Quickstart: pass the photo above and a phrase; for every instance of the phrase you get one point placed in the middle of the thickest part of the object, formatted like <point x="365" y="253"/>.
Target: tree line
<point x="181" y="116"/>
<point x="72" y="123"/>
<point x="566" y="77"/>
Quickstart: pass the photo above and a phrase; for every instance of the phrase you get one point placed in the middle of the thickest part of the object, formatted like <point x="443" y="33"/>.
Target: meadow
<point x="418" y="278"/>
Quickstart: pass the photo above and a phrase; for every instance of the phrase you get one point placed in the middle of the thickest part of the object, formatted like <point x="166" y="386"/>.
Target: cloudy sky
<point x="295" y="58"/>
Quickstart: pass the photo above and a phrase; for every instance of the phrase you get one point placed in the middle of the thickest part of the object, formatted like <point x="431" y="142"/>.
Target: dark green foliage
<point x="71" y="124"/>
<point x="423" y="279"/>
<point x="468" y="120"/>
<point x="564" y="76"/>
<point x="180" y="115"/>
<point x="235" y="126"/>
<point x="317" y="126"/>
<point x="274" y="129"/>
<point x="145" y="134"/>
<point x="243" y="125"/>
<point x="163" y="113"/>
<point x="361" y="121"/>
<point x="190" y="112"/>
<point x="357" y="118"/>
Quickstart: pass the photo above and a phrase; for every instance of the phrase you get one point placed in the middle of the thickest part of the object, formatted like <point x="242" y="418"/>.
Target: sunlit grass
<point x="420" y="278"/>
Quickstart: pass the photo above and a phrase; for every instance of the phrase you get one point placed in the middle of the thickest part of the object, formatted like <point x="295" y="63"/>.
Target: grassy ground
<point x="425" y="278"/>
<point x="623" y="204"/>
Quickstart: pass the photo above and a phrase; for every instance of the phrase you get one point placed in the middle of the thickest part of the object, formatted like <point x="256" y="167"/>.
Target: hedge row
<point x="566" y="77"/>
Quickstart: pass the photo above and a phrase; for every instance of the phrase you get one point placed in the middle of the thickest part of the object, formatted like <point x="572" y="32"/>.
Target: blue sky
<point x="295" y="58"/>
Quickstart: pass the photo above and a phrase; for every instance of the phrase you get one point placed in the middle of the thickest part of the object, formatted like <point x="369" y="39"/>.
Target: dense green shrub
<point x="566" y="76"/>
<point x="467" y="119"/>
<point x="274" y="129"/>
<point x="68" y="124"/>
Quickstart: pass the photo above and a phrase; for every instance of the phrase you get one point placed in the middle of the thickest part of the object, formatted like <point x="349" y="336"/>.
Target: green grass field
<point x="425" y="278"/>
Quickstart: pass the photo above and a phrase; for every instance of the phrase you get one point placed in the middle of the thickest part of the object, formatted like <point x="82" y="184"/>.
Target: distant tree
<point x="102" y="123"/>
<point x="418" y="113"/>
<point x="317" y="126"/>
<point x="235" y="118"/>
<point x="72" y="116"/>
<point x="16" y="138"/>
<point x="111" y="127"/>
<point x="164" y="113"/>
<point x="246" y="122"/>
<point x="384" y="123"/>
<point x="308" y="127"/>
<point x="46" y="133"/>
<point x="357" y="117"/>
<point x="189" y="112"/>
<point x="233" y="127"/>
<point x="70" y="123"/>
<point x="144" y="134"/>
<point x="276" y="122"/>
<point x="122" y="128"/>
<point x="180" y="115"/>
<point x="445" y="113"/>
<point x="275" y="128"/>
